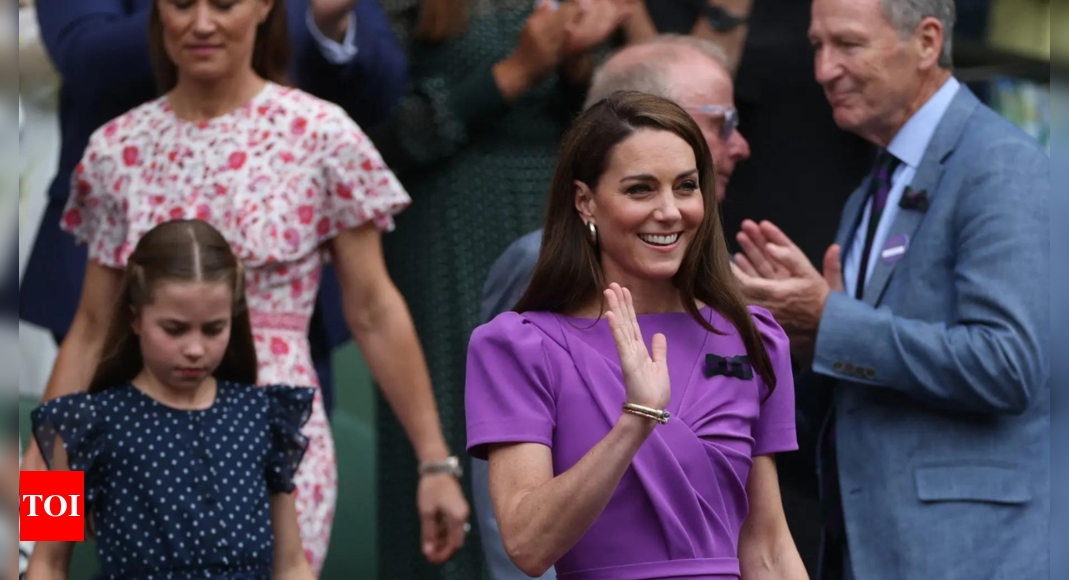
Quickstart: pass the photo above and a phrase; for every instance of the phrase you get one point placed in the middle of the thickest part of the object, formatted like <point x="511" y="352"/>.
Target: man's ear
<point x="930" y="36"/>
<point x="584" y="201"/>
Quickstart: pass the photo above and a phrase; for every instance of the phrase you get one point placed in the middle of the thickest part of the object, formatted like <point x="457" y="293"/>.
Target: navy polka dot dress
<point x="179" y="494"/>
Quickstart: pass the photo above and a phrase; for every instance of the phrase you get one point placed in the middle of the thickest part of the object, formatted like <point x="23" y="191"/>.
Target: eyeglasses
<point x="729" y="116"/>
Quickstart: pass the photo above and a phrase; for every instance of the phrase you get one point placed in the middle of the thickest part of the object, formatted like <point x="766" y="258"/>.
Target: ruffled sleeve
<point x="96" y="214"/>
<point x="288" y="409"/>
<point x="775" y="431"/>
<point x="359" y="187"/>
<point x="74" y="423"/>
<point x="509" y="394"/>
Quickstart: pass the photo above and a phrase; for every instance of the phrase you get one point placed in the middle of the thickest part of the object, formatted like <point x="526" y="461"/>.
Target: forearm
<point x="50" y="561"/>
<point x="539" y="526"/>
<point x="78" y="357"/>
<point x="985" y="367"/>
<point x="766" y="548"/>
<point x="387" y="338"/>
<point x="772" y="557"/>
<point x="289" y="561"/>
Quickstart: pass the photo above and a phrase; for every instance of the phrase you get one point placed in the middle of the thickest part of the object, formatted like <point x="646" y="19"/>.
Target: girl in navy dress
<point x="188" y="466"/>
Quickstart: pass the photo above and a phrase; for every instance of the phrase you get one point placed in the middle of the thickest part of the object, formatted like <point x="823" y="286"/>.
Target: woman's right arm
<point x="99" y="48"/>
<point x="80" y="351"/>
<point x="540" y="516"/>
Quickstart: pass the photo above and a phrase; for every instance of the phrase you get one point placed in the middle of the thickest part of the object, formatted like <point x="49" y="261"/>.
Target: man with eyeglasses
<point x="689" y="71"/>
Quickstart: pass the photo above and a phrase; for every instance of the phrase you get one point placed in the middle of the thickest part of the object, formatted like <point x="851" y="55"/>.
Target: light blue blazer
<point x="942" y="403"/>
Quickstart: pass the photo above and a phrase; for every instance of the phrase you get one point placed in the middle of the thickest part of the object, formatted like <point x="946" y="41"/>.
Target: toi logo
<point x="52" y="506"/>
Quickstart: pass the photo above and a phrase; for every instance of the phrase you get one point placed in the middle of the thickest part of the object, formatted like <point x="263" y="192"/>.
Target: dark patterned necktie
<point x="879" y="189"/>
<point x="831" y="494"/>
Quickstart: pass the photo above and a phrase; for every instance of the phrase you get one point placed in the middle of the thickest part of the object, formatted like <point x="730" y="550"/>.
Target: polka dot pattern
<point x="177" y="493"/>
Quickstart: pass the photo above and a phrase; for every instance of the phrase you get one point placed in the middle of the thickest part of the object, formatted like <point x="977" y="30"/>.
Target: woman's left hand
<point x="443" y="514"/>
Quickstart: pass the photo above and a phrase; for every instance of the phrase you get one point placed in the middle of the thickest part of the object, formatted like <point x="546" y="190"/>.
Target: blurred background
<point x="1003" y="52"/>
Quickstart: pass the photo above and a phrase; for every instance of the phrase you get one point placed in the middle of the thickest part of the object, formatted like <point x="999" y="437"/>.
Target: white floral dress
<point x="278" y="177"/>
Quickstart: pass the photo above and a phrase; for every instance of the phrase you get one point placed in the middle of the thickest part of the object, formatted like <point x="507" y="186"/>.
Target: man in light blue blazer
<point x="931" y="318"/>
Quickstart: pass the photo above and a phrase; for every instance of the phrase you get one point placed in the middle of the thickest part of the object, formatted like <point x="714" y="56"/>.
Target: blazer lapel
<point x="927" y="179"/>
<point x="906" y="222"/>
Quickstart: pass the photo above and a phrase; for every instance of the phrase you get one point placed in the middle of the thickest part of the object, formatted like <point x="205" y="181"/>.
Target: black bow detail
<point x="736" y="366"/>
<point x="917" y="200"/>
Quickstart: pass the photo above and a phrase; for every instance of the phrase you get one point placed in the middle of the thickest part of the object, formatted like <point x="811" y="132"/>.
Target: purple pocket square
<point x="912" y="199"/>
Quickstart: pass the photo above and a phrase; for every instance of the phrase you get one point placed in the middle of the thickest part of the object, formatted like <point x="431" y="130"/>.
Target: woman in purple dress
<point x="613" y="455"/>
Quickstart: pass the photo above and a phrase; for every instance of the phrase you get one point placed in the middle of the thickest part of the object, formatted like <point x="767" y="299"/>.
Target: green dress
<point x="478" y="171"/>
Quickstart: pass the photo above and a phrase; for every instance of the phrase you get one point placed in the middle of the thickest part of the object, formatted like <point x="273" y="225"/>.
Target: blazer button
<point x="870" y="373"/>
<point x="837" y="367"/>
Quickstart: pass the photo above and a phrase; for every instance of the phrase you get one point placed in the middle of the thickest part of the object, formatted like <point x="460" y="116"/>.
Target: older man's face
<point x="870" y="75"/>
<point x="699" y="82"/>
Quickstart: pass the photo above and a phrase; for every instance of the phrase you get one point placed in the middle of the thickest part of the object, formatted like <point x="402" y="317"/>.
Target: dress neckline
<point x="264" y="93"/>
<point x="219" y="385"/>
<point x="704" y="310"/>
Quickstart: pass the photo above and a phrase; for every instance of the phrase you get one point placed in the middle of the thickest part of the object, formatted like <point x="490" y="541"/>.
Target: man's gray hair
<point x="906" y="15"/>
<point x="650" y="75"/>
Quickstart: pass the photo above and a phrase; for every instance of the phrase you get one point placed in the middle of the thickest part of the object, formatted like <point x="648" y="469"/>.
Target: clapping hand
<point x="775" y="274"/>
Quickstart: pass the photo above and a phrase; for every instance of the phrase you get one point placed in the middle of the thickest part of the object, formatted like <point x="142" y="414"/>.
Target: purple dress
<point x="545" y="378"/>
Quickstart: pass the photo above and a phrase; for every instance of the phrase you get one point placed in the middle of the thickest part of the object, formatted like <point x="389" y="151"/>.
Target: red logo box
<point x="52" y="506"/>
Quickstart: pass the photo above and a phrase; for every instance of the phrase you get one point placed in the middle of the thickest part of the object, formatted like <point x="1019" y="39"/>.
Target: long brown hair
<point x="568" y="275"/>
<point x="176" y="251"/>
<point x="270" y="55"/>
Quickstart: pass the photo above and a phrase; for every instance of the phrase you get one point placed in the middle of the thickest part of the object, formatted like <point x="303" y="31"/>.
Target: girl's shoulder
<point x="270" y="400"/>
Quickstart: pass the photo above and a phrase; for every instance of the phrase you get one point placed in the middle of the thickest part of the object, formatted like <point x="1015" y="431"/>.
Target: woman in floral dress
<point x="289" y="180"/>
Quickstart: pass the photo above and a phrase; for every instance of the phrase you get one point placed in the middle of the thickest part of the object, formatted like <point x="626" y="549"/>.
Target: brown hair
<point x="568" y="275"/>
<point x="441" y="20"/>
<point x="270" y="55"/>
<point x="176" y="251"/>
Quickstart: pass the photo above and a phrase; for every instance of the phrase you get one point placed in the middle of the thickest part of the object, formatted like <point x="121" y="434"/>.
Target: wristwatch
<point x="450" y="465"/>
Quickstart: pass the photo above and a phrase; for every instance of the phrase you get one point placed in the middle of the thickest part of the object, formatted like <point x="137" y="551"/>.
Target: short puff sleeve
<point x="775" y="431"/>
<point x="96" y="212"/>
<point x="359" y="187"/>
<point x="75" y="422"/>
<point x="510" y="395"/>
<point x="288" y="409"/>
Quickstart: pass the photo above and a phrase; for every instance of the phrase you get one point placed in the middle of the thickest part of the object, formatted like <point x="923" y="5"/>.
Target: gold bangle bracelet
<point x="659" y="415"/>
